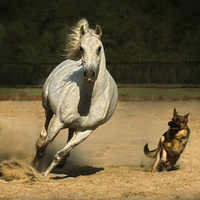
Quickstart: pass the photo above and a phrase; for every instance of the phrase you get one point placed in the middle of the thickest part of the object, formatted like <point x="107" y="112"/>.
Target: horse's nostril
<point x="89" y="73"/>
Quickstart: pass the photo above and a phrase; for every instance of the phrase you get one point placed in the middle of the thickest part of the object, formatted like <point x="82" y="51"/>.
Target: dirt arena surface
<point x="108" y="165"/>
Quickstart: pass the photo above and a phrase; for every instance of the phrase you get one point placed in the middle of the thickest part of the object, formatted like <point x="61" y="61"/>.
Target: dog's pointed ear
<point x="186" y="116"/>
<point x="175" y="113"/>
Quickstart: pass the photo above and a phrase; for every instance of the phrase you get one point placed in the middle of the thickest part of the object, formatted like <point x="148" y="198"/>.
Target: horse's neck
<point x="91" y="93"/>
<point x="99" y="85"/>
<point x="102" y="75"/>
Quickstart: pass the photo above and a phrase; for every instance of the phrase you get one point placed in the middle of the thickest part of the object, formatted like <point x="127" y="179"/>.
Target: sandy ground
<point x="109" y="165"/>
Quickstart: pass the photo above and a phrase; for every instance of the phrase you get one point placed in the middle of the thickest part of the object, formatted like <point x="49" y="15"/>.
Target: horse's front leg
<point x="43" y="134"/>
<point x="53" y="131"/>
<point x="60" y="155"/>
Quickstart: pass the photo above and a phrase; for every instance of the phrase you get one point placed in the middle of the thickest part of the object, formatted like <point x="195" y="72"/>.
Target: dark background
<point x="141" y="38"/>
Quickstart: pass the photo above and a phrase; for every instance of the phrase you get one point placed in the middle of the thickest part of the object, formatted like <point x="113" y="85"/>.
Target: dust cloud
<point x="16" y="142"/>
<point x="110" y="144"/>
<point x="18" y="149"/>
<point x="18" y="145"/>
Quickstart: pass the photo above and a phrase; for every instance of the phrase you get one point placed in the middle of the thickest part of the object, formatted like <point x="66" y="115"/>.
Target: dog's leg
<point x="172" y="161"/>
<point x="156" y="162"/>
<point x="163" y="153"/>
<point x="163" y="158"/>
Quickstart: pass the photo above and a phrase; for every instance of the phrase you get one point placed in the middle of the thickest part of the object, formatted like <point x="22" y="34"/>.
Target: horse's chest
<point x="82" y="122"/>
<point x="81" y="115"/>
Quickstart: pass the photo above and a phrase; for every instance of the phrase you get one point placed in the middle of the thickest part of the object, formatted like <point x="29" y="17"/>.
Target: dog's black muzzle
<point x="173" y="126"/>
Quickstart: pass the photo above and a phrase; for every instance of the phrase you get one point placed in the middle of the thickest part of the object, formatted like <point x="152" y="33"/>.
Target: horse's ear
<point x="98" y="30"/>
<point x="82" y="30"/>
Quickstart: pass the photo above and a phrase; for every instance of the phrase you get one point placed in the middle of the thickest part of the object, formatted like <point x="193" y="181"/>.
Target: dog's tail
<point x="148" y="153"/>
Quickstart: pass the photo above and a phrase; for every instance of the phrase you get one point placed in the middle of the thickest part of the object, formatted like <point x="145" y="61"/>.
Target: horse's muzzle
<point x="89" y="76"/>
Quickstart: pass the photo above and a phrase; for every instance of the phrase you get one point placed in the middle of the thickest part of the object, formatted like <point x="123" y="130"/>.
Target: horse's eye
<point x="99" y="49"/>
<point x="81" y="48"/>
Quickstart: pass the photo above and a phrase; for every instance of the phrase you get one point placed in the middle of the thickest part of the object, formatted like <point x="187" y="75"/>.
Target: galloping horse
<point x="80" y="92"/>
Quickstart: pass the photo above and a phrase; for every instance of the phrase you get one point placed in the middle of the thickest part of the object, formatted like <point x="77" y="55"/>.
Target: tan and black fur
<point x="172" y="143"/>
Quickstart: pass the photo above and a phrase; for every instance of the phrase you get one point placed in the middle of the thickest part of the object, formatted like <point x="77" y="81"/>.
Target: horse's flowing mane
<point x="74" y="39"/>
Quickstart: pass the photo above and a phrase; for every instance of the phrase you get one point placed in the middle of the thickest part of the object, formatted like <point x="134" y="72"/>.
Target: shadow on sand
<point x="77" y="171"/>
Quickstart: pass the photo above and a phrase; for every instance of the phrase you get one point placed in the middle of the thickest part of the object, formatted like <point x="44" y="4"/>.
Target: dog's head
<point x="178" y="122"/>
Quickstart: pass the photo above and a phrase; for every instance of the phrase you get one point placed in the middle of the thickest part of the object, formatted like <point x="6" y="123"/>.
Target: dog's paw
<point x="171" y="168"/>
<point x="163" y="163"/>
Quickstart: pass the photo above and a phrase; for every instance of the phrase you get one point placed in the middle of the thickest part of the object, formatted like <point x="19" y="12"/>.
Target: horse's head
<point x="90" y="49"/>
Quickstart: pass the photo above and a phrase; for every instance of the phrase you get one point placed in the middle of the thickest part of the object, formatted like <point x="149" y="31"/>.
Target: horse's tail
<point x="148" y="153"/>
<point x="73" y="40"/>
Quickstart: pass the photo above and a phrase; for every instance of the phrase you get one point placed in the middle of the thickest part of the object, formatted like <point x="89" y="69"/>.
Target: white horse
<point x="80" y="92"/>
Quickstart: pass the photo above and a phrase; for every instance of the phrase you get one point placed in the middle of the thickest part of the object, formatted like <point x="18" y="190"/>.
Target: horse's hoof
<point x="59" y="166"/>
<point x="31" y="167"/>
<point x="43" y="175"/>
<point x="32" y="164"/>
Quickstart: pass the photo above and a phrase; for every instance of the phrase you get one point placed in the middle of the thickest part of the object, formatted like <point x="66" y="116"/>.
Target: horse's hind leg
<point x="54" y="129"/>
<point x="43" y="134"/>
<point x="77" y="138"/>
<point x="64" y="159"/>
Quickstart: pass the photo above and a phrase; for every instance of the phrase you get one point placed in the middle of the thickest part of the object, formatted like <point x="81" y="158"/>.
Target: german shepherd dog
<point x="172" y="143"/>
